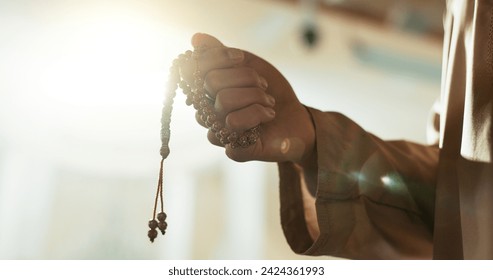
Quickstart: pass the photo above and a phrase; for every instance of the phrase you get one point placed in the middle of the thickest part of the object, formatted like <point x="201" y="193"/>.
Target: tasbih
<point x="197" y="96"/>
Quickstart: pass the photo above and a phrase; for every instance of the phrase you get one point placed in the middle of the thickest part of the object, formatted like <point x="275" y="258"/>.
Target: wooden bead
<point x="164" y="151"/>
<point x="233" y="137"/>
<point x="252" y="138"/>
<point x="203" y="117"/>
<point x="152" y="234"/>
<point x="216" y="126"/>
<point x="189" y="100"/>
<point x="204" y="103"/>
<point x="224" y="132"/>
<point x="183" y="84"/>
<point x="243" y="141"/>
<point x="162" y="227"/>
<point x="153" y="224"/>
<point x="161" y="216"/>
<point x="211" y="118"/>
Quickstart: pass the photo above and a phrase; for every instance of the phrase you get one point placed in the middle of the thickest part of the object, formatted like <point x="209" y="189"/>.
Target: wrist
<point x="309" y="160"/>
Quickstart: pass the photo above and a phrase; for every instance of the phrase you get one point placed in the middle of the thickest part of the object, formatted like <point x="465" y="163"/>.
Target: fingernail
<point x="270" y="112"/>
<point x="263" y="82"/>
<point x="271" y="100"/>
<point x="235" y="54"/>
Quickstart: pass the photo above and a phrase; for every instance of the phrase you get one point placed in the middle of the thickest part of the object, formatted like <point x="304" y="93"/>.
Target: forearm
<point x="374" y="199"/>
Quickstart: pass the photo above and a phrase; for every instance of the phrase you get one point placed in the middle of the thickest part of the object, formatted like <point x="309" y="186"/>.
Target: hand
<point x="248" y="91"/>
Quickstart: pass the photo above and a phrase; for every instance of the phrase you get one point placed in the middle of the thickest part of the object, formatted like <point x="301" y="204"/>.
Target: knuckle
<point x="223" y="101"/>
<point x="251" y="74"/>
<point x="238" y="123"/>
<point x="259" y="93"/>
<point x="234" y="122"/>
<point x="258" y="109"/>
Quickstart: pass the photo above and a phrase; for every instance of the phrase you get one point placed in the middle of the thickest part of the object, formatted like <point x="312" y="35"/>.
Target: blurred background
<point x="81" y="87"/>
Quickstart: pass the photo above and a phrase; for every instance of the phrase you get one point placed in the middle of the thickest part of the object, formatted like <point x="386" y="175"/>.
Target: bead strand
<point x="196" y="96"/>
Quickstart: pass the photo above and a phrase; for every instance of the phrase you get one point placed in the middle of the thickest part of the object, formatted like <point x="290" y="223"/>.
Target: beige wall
<point x="80" y="92"/>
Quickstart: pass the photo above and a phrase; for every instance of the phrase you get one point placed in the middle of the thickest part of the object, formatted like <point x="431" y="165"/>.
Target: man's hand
<point x="248" y="91"/>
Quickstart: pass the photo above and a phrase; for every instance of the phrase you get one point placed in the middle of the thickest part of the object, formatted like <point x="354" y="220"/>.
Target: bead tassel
<point x="198" y="98"/>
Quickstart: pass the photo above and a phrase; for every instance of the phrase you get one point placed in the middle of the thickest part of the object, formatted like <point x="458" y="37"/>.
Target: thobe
<point x="380" y="199"/>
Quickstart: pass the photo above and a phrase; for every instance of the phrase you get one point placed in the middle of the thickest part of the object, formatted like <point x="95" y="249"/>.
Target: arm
<point x="372" y="199"/>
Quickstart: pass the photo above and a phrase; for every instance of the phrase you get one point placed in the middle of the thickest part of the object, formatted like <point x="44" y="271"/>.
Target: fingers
<point x="238" y="92"/>
<point x="238" y="77"/>
<point x="220" y="57"/>
<point x="240" y="98"/>
<point x="211" y="59"/>
<point x="242" y="108"/>
<point x="242" y="111"/>
<point x="249" y="117"/>
<point x="232" y="99"/>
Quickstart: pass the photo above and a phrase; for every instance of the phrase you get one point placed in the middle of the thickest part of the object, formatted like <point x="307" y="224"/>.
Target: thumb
<point x="201" y="39"/>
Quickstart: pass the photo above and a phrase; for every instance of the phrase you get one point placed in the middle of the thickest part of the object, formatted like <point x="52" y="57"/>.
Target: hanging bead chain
<point x="204" y="104"/>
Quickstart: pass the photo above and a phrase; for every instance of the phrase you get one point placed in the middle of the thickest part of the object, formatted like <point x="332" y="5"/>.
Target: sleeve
<point x="374" y="198"/>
